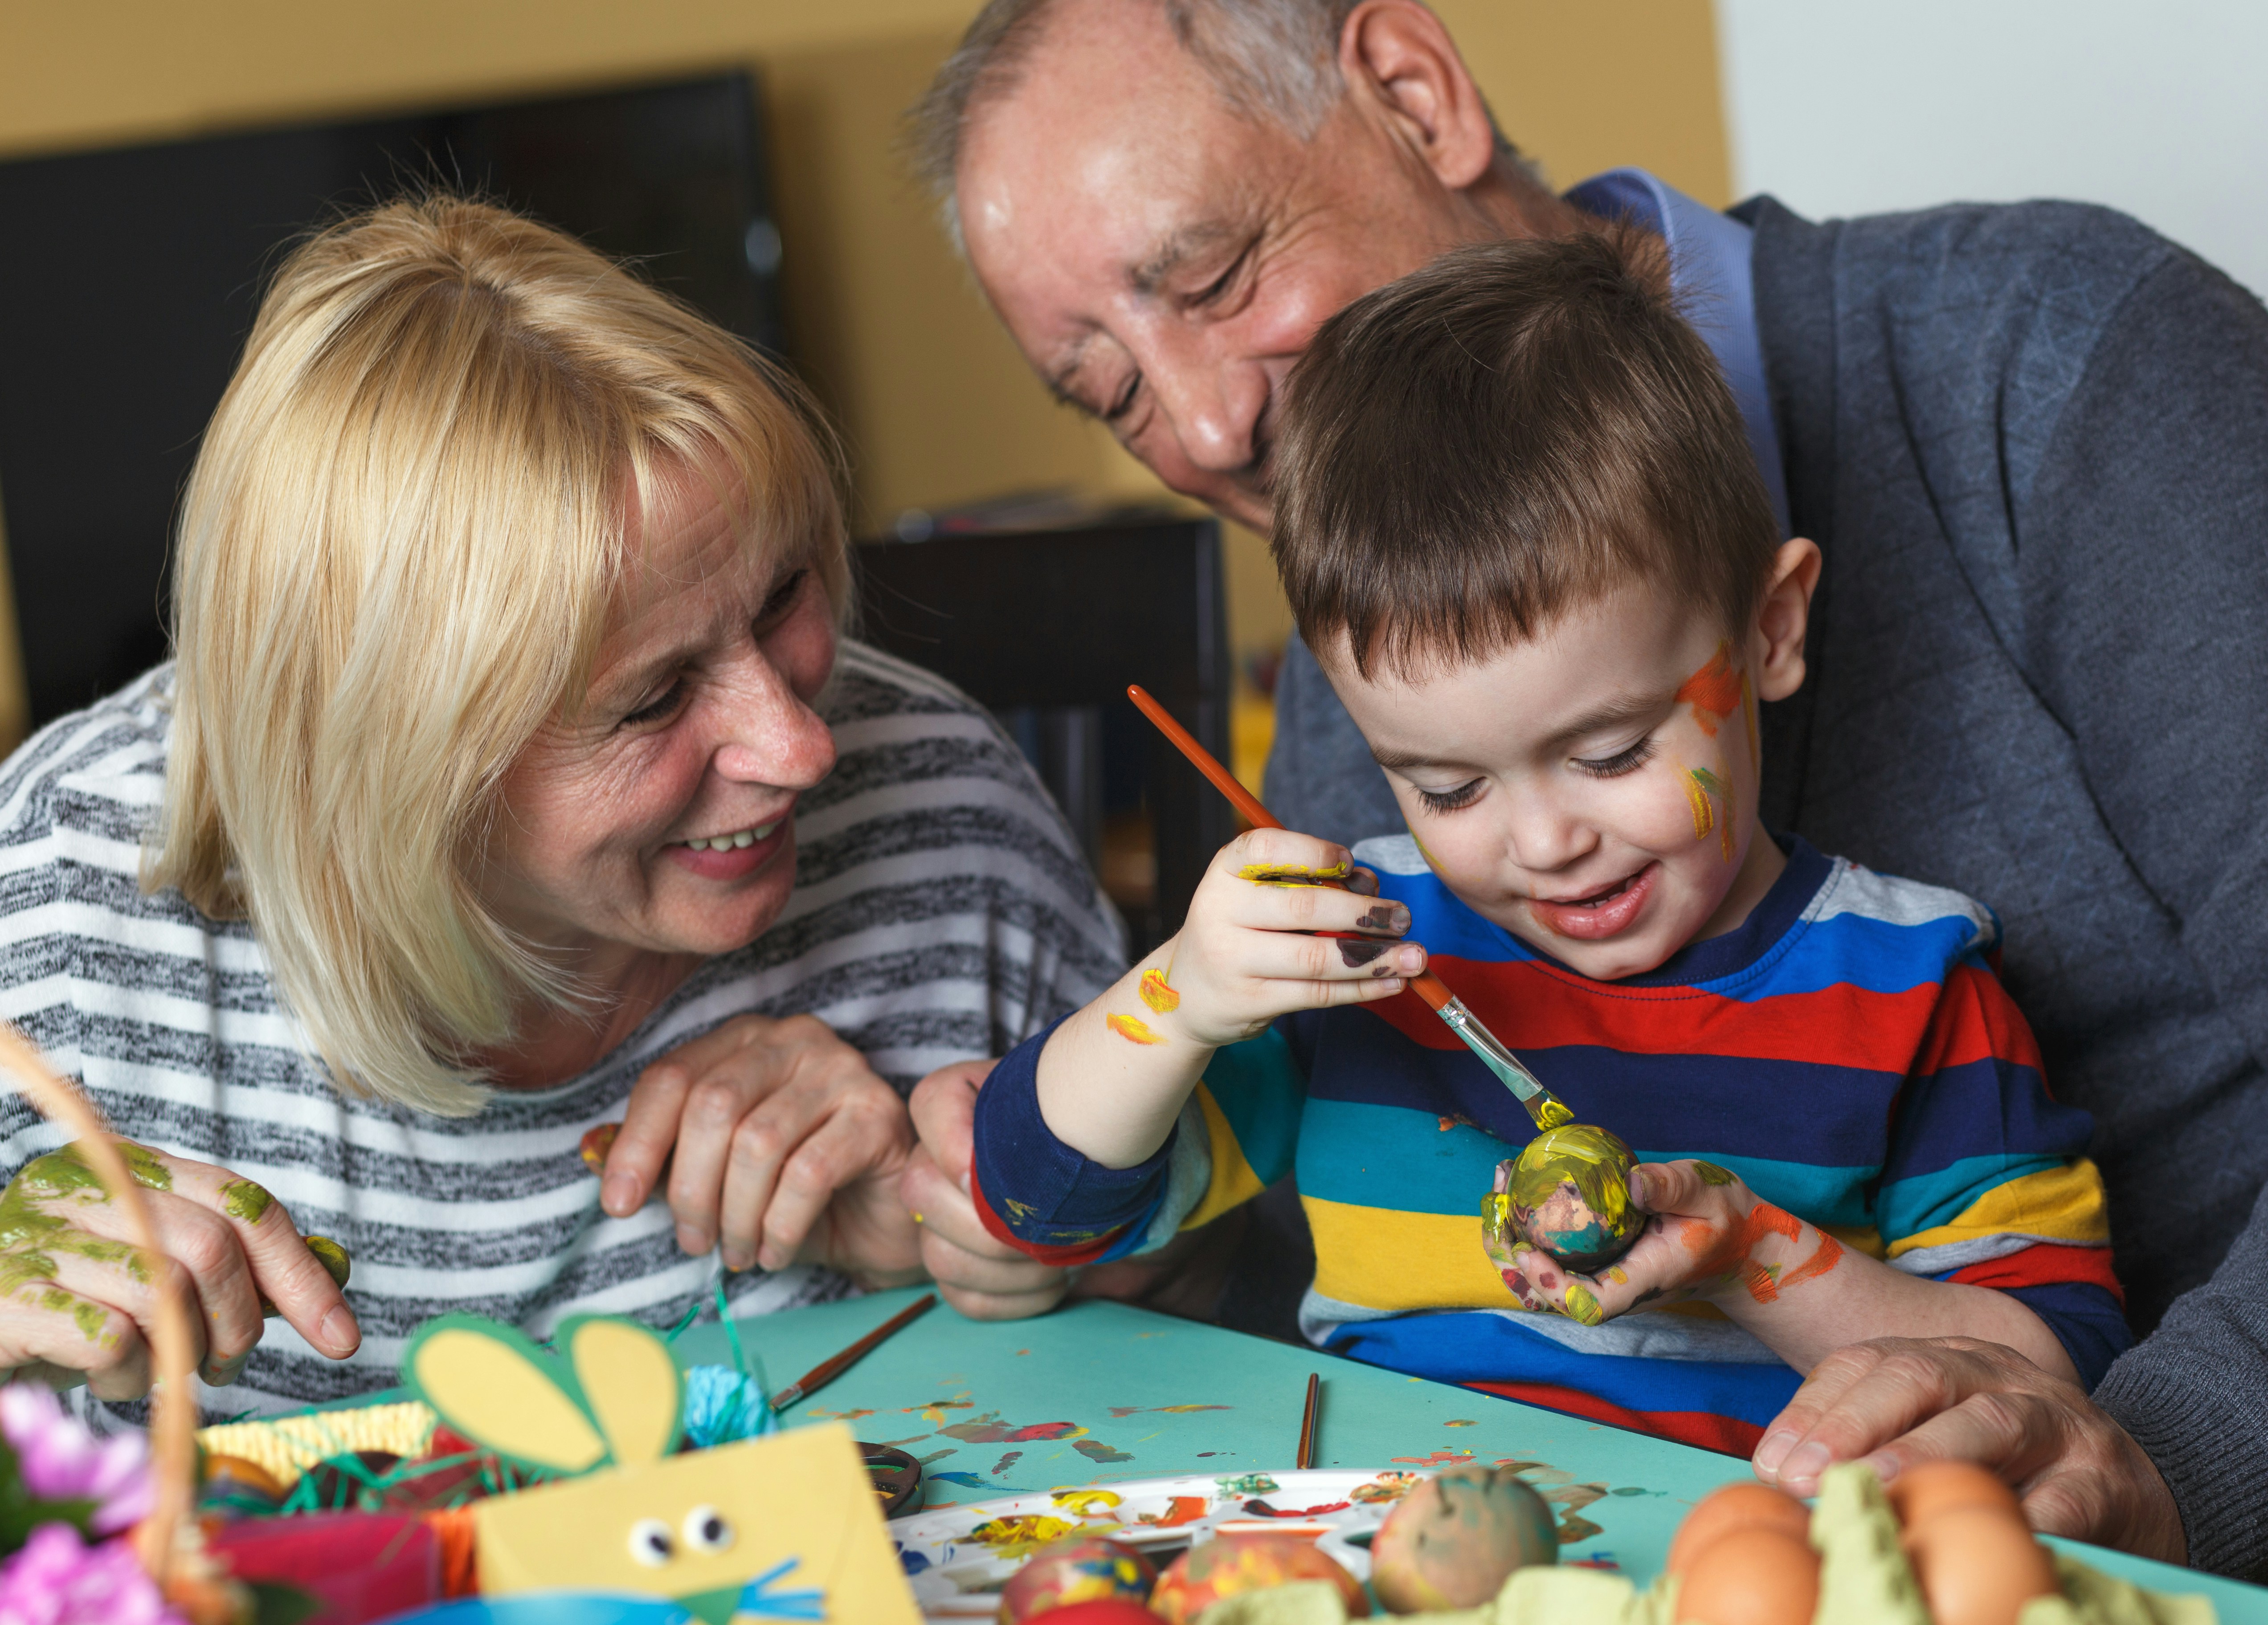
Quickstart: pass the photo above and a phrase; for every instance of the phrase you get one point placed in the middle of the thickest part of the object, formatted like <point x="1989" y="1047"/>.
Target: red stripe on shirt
<point x="1061" y="1258"/>
<point x="1975" y="1020"/>
<point x="2046" y="1263"/>
<point x="1702" y="1429"/>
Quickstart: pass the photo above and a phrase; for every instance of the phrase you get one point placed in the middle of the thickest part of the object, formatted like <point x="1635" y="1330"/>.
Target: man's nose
<point x="1214" y="402"/>
<point x="767" y="735"/>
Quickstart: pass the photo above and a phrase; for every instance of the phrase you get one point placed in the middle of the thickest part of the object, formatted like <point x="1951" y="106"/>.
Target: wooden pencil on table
<point x="828" y="1370"/>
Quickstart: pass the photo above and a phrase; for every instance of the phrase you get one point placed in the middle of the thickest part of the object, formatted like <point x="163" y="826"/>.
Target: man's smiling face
<point x="1162" y="260"/>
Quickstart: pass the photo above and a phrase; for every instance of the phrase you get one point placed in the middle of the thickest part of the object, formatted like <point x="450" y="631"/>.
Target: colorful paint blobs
<point x="1156" y="993"/>
<point x="1021" y="1534"/>
<point x="1078" y="1568"/>
<point x="1230" y="1565"/>
<point x="1440" y="1458"/>
<point x="989" y="1430"/>
<point x="1086" y="1502"/>
<point x="1700" y="784"/>
<point x="1179" y="1510"/>
<point x="1133" y="1029"/>
<point x="1006" y="1461"/>
<point x="1094" y="1450"/>
<point x="1453" y="1540"/>
<point x="1568" y="1193"/>
<point x="1386" y="1486"/>
<point x="1248" y="1484"/>
<point x="1730" y="1252"/>
<point x="1714" y="691"/>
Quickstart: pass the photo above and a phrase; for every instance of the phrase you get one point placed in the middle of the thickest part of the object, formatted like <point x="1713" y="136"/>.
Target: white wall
<point x="2159" y="107"/>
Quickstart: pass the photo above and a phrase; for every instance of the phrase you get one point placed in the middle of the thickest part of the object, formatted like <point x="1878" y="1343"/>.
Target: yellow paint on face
<point x="1704" y="817"/>
<point x="1132" y="1030"/>
<point x="1294" y="874"/>
<point x="1156" y="993"/>
<point x="1700" y="784"/>
<point x="1430" y="860"/>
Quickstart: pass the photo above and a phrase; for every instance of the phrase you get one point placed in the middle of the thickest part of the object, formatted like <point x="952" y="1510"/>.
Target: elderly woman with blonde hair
<point x="511" y="750"/>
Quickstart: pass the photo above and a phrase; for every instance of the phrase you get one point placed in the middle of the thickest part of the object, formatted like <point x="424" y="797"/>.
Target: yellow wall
<point x="937" y="405"/>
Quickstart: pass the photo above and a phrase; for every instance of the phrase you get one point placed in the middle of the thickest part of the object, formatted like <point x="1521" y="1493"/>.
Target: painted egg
<point x="1105" y="1611"/>
<point x="1978" y="1566"/>
<point x="1453" y="1540"/>
<point x="1568" y="1191"/>
<point x="1232" y="1564"/>
<point x="1736" y="1507"/>
<point x="1080" y="1569"/>
<point x="1922" y="1491"/>
<point x="1756" y="1575"/>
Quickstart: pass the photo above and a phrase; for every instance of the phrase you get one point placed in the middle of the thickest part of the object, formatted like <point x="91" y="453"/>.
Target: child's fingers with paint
<point x="1277" y="926"/>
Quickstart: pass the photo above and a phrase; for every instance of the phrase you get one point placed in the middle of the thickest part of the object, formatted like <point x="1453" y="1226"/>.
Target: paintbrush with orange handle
<point x="1544" y="1107"/>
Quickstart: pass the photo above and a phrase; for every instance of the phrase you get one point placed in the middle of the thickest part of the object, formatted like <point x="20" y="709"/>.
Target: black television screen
<point x="128" y="279"/>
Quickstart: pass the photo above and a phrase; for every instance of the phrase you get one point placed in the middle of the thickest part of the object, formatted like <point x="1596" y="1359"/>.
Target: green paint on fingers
<point x="1582" y="1308"/>
<point x="245" y="1199"/>
<point x="1712" y="1174"/>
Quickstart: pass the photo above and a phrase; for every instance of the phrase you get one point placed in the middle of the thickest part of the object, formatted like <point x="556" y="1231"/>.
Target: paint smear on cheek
<point x="1132" y="1030"/>
<point x="1700" y="784"/>
<point x="1714" y="690"/>
<point x="1156" y="993"/>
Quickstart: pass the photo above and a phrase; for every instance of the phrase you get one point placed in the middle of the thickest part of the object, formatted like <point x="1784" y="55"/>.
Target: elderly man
<point x="2033" y="442"/>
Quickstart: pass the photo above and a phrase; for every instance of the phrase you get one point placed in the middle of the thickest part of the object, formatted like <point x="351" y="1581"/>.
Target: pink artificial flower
<point x="61" y="1461"/>
<point x="56" y="1580"/>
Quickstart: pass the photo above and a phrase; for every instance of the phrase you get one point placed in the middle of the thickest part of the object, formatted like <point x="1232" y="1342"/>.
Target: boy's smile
<point x="1592" y="789"/>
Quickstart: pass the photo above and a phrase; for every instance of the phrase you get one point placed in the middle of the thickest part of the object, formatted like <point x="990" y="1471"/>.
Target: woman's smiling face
<point x="1594" y="790"/>
<point x="660" y="818"/>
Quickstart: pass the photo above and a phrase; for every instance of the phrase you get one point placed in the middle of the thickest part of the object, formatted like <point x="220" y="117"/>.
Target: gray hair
<point x="1275" y="61"/>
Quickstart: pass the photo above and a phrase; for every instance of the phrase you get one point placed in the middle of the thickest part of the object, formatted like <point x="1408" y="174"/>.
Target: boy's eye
<point x="1626" y="761"/>
<point x="1450" y="800"/>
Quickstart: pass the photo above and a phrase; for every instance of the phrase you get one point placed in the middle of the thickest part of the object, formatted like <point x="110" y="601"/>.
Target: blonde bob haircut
<point x="397" y="553"/>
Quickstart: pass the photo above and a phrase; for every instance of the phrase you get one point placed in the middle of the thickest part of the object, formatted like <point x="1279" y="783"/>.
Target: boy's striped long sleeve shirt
<point x="1847" y="1051"/>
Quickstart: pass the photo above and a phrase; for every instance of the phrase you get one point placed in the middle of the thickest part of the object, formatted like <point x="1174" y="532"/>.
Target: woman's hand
<point x="783" y="1147"/>
<point x="77" y="1297"/>
<point x="983" y="1278"/>
<point x="1709" y="1236"/>
<point x="1897" y="1401"/>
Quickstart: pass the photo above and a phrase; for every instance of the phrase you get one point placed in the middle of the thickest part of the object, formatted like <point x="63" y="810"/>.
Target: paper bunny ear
<point x="629" y="1384"/>
<point x="491" y="1384"/>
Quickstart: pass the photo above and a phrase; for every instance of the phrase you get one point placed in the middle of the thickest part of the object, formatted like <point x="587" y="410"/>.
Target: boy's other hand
<point x="982" y="1277"/>
<point x="1248" y="954"/>
<point x="1709" y="1236"/>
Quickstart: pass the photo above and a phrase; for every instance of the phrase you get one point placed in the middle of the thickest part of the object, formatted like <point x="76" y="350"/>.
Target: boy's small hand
<point x="1247" y="953"/>
<point x="1710" y="1237"/>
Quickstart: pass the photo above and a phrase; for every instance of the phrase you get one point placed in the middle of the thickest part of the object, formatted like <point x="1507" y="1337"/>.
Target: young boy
<point x="1521" y="528"/>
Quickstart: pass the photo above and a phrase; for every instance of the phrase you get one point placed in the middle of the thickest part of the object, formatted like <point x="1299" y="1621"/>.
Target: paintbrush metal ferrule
<point x="1544" y="1107"/>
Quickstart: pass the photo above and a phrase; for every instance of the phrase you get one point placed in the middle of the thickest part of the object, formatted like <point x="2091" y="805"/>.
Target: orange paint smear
<point x="1156" y="993"/>
<point x="1714" y="690"/>
<point x="1728" y="1252"/>
<point x="1132" y="1030"/>
<point x="1829" y="1255"/>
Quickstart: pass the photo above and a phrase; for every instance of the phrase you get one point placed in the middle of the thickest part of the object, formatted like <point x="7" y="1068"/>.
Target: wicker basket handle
<point x="173" y="1407"/>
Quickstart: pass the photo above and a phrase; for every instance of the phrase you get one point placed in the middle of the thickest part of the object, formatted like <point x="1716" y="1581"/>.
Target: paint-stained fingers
<point x="119" y="1281"/>
<point x="1686" y="1187"/>
<point x="1283" y="956"/>
<point x="1363" y="882"/>
<point x="1283" y="858"/>
<point x="49" y="1332"/>
<point x="269" y="1260"/>
<point x="1315" y="908"/>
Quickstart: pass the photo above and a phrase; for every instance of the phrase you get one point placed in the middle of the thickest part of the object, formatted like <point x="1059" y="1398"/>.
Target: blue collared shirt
<point x="1710" y="272"/>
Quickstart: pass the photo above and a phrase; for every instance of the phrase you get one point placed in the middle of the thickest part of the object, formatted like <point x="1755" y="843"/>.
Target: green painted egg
<point x="1568" y="1193"/>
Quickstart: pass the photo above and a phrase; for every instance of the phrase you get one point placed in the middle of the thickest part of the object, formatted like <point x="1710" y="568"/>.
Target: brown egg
<point x="1736" y="1507"/>
<point x="1922" y="1491"/>
<point x="1978" y="1566"/>
<point x="1753" y="1576"/>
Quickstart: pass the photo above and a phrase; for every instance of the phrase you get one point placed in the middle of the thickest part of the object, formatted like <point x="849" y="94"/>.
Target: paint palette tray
<point x="957" y="1557"/>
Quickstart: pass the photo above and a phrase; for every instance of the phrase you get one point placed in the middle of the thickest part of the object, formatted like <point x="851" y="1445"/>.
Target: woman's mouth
<point x="1598" y="915"/>
<point x="731" y="853"/>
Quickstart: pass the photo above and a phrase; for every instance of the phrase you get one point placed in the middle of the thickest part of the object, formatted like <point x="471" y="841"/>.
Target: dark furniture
<point x="130" y="277"/>
<point x="1047" y="628"/>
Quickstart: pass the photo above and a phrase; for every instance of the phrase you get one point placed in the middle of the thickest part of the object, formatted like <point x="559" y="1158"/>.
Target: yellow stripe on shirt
<point x="2061" y="1204"/>
<point x="1233" y="1180"/>
<point x="1379" y="1259"/>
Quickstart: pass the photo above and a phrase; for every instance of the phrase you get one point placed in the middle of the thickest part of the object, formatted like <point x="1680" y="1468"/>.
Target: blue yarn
<point x="723" y="1407"/>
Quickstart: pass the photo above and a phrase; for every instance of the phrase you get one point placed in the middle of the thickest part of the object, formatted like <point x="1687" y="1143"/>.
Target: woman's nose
<point x="769" y="736"/>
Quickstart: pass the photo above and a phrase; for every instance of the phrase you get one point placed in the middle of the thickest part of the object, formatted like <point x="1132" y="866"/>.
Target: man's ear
<point x="1776" y="648"/>
<point x="1400" y="65"/>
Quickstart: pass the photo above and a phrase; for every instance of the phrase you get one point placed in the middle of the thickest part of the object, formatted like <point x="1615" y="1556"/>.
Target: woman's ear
<point x="1399" y="64"/>
<point x="1776" y="647"/>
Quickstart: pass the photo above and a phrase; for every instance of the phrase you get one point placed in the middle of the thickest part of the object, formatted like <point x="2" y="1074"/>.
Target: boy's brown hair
<point x="1510" y="433"/>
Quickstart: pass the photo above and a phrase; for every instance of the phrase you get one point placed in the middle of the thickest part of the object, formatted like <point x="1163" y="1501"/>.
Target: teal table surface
<point x="1099" y="1392"/>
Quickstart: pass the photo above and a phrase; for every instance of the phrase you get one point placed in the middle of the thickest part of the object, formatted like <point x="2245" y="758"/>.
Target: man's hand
<point x="783" y="1146"/>
<point x="1897" y="1401"/>
<point x="983" y="1278"/>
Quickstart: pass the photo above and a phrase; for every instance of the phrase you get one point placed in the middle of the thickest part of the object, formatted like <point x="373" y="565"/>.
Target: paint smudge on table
<point x="1163" y="1410"/>
<point x="1462" y="1421"/>
<point x="989" y="1430"/>
<point x="1096" y="1450"/>
<point x="1440" y="1458"/>
<point x="1006" y="1461"/>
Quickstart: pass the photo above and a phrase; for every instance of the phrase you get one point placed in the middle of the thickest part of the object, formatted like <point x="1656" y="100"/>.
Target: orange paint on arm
<point x="1714" y="690"/>
<point x="1829" y="1255"/>
<point x="1132" y="1030"/>
<point x="1726" y="1252"/>
<point x="1156" y="993"/>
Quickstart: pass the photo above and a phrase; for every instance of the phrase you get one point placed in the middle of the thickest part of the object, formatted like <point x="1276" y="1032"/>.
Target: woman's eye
<point x="1450" y="800"/>
<point x="1626" y="761"/>
<point x="656" y="709"/>
<point x="782" y="597"/>
<point x="707" y="1530"/>
<point x="651" y="1544"/>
